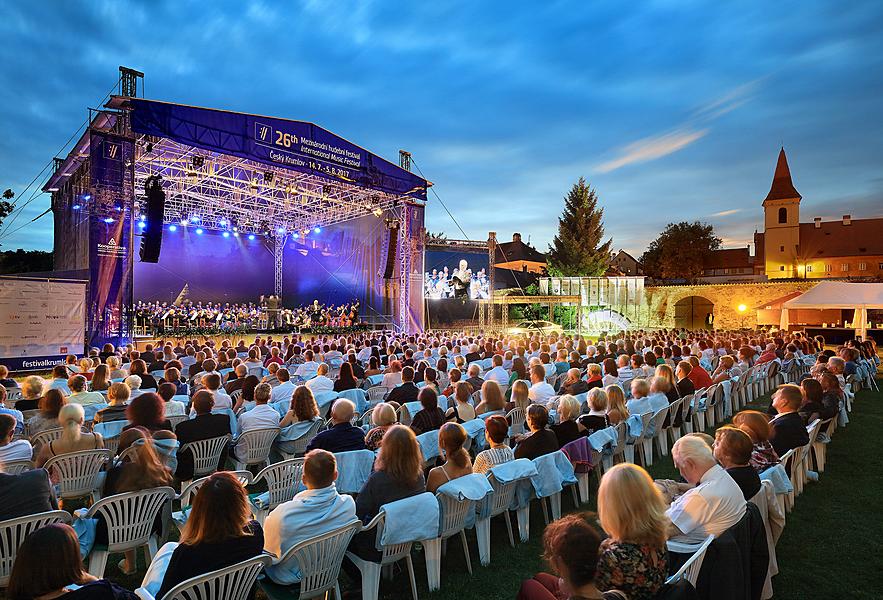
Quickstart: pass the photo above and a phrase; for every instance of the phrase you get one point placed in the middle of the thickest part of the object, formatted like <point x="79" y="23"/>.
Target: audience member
<point x="71" y="418"/>
<point x="430" y="417"/>
<point x="568" y="428"/>
<point x="757" y="426"/>
<point x="451" y="438"/>
<point x="407" y="391"/>
<point x="382" y="417"/>
<point x="342" y="436"/>
<point x="79" y="395"/>
<point x="496" y="431"/>
<point x="732" y="449"/>
<point x="10" y="449"/>
<point x="540" y="391"/>
<point x="540" y="440"/>
<point x="118" y="400"/>
<point x="787" y="430"/>
<point x="148" y="411"/>
<point x="462" y="410"/>
<point x="203" y="426"/>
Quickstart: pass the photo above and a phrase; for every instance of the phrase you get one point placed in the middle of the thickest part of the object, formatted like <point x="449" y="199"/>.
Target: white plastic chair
<point x="298" y="446"/>
<point x="253" y="447"/>
<point x="14" y="531"/>
<point x="376" y="394"/>
<point x="244" y="477"/>
<point x="206" y="454"/>
<point x="283" y="480"/>
<point x="318" y="560"/>
<point x="176" y="419"/>
<point x="453" y="521"/>
<point x="644" y="443"/>
<point x="45" y="436"/>
<point x="820" y="446"/>
<point x="78" y="472"/>
<point x="690" y="569"/>
<point x="16" y="467"/>
<point x="129" y="518"/>
<point x="516" y="418"/>
<point x="678" y="409"/>
<point x="494" y="504"/>
<point x="230" y="583"/>
<point x="389" y="555"/>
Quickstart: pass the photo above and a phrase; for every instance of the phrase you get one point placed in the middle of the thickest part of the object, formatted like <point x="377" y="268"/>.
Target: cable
<point x="440" y="200"/>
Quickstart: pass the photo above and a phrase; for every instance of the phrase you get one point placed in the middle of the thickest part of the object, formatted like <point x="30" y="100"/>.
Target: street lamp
<point x="742" y="308"/>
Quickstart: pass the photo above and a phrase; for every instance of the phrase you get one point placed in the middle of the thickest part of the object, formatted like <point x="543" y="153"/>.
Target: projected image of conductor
<point x="462" y="280"/>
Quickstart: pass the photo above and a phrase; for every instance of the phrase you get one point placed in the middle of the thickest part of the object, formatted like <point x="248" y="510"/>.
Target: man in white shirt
<point x="321" y="382"/>
<point x="715" y="504"/>
<point x="317" y="510"/>
<point x="308" y="368"/>
<point x="540" y="392"/>
<point x="79" y="395"/>
<point x="285" y="389"/>
<point x="12" y="450"/>
<point x="212" y="383"/>
<point x="623" y="369"/>
<point x="262" y="415"/>
<point x="639" y="403"/>
<point x="364" y="354"/>
<point x="497" y="373"/>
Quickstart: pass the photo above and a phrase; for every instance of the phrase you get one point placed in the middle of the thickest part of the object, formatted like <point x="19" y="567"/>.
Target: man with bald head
<point x="342" y="436"/>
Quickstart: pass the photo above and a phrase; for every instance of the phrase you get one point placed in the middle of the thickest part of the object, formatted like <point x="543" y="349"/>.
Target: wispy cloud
<point x="728" y="102"/>
<point x="651" y="148"/>
<point x="726" y="213"/>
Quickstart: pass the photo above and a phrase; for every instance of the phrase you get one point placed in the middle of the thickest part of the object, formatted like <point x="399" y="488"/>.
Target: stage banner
<point x="295" y="145"/>
<point x="41" y="322"/>
<point x="110" y="239"/>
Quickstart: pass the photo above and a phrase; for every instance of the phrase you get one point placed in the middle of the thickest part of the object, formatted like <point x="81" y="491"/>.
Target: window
<point x="809" y="268"/>
<point x="863" y="266"/>
<point x="783" y="215"/>
<point x="844" y="266"/>
<point x="781" y="267"/>
<point x="827" y="268"/>
<point x="880" y="266"/>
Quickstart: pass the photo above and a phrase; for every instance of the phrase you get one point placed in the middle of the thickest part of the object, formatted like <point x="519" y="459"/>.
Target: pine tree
<point x="578" y="250"/>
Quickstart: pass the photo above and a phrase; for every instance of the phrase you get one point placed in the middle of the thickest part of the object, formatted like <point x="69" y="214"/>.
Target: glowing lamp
<point x="199" y="231"/>
<point x="742" y="308"/>
<point x="173" y="228"/>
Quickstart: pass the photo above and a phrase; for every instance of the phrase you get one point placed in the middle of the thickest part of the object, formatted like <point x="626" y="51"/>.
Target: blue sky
<point x="672" y="110"/>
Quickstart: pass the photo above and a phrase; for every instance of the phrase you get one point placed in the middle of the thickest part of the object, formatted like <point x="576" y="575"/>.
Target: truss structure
<point x="223" y="192"/>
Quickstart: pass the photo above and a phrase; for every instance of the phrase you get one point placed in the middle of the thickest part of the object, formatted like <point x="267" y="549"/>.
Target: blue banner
<point x="295" y="145"/>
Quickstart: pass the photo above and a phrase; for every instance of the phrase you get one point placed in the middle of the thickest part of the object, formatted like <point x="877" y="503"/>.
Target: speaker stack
<point x="151" y="235"/>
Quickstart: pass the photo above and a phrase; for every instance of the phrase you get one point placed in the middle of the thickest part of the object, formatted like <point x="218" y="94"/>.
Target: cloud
<point x="651" y="148"/>
<point x="728" y="102"/>
<point x="726" y="213"/>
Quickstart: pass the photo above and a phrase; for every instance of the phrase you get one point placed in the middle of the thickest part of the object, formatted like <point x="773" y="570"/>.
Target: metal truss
<point x="404" y="254"/>
<point x="224" y="191"/>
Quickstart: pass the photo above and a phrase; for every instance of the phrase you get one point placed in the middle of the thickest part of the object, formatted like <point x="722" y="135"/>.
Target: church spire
<point x="782" y="187"/>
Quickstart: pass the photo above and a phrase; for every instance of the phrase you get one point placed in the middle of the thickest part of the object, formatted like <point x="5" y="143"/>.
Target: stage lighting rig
<point x="197" y="161"/>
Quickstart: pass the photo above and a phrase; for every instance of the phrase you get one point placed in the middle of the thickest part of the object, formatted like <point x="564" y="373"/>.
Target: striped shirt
<point x="491" y="458"/>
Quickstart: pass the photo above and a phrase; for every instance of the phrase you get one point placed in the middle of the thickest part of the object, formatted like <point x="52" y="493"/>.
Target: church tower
<point x="781" y="210"/>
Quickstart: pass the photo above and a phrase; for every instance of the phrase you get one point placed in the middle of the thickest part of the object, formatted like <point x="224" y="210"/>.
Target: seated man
<point x="685" y="385"/>
<point x="787" y="430"/>
<point x="29" y="493"/>
<point x="407" y="391"/>
<point x="623" y="368"/>
<point x="540" y="392"/>
<point x="8" y="408"/>
<point x="285" y="389"/>
<point x="474" y="377"/>
<point x="262" y="415"/>
<point x="118" y="399"/>
<point x="497" y="373"/>
<point x="5" y="380"/>
<point x="640" y="403"/>
<point x="309" y="367"/>
<point x="79" y="395"/>
<point x="321" y="382"/>
<point x="212" y="383"/>
<point x="342" y="436"/>
<point x="573" y="384"/>
<point x="12" y="450"/>
<point x="236" y="378"/>
<point x="715" y="503"/>
<point x="317" y="510"/>
<point x="203" y="426"/>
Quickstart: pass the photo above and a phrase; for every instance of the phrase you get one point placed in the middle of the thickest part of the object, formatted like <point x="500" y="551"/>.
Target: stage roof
<point x="258" y="173"/>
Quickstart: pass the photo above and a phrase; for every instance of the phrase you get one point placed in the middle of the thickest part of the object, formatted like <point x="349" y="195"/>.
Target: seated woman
<point x="32" y="389"/>
<point x="571" y="549"/>
<point x="596" y="419"/>
<point x="430" y="417"/>
<point x="382" y="417"/>
<point x="143" y="472"/>
<point x="219" y="533"/>
<point x="303" y="407"/>
<point x="100" y="379"/>
<point x="593" y="376"/>
<point x="540" y="440"/>
<point x="491" y="398"/>
<point x="634" y="558"/>
<point x="346" y="380"/>
<point x="73" y="439"/>
<point x="48" y="565"/>
<point x="462" y="411"/>
<point x="454" y="376"/>
<point x="451" y="438"/>
<point x="167" y="391"/>
<point x="398" y="474"/>
<point x="173" y="375"/>
<point x="114" y="363"/>
<point x="496" y="430"/>
<point x="616" y="405"/>
<point x="611" y="373"/>
<point x="832" y="395"/>
<point x="117" y="399"/>
<point x="732" y="449"/>
<point x="567" y="429"/>
<point x="373" y="367"/>
<point x="47" y="418"/>
<point x="520" y="396"/>
<point x="757" y="426"/>
<point x="726" y="370"/>
<point x="148" y="411"/>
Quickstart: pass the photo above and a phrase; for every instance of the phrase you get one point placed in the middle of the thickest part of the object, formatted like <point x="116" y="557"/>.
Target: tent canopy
<point x="839" y="294"/>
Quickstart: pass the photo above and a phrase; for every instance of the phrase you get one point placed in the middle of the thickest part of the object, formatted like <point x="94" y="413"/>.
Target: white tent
<point x="842" y="295"/>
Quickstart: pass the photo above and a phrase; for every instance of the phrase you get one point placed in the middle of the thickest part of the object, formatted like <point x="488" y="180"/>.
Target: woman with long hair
<point x="373" y="365"/>
<point x="219" y="532"/>
<point x="100" y="379"/>
<point x="148" y="411"/>
<point x="462" y="411"/>
<point x="520" y="396"/>
<point x="73" y="439"/>
<point x="48" y="565"/>
<point x="303" y="407"/>
<point x="451" y="438"/>
<point x="491" y="398"/>
<point x="616" y="408"/>
<point x="757" y="426"/>
<point x="430" y="416"/>
<point x="47" y="418"/>
<point x="346" y="380"/>
<point x="634" y="558"/>
<point x="611" y="374"/>
<point x="667" y="373"/>
<point x="519" y="371"/>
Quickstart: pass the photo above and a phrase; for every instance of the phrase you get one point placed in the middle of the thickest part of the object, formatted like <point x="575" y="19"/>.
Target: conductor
<point x="461" y="278"/>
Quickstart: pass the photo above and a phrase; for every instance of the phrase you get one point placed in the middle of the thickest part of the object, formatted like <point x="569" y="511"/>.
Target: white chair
<point x="389" y="555"/>
<point x="244" y="477"/>
<point x="129" y="518"/>
<point x="14" y="531"/>
<point x="206" y="454"/>
<point x="690" y="569"/>
<point x="376" y="394"/>
<point x="298" y="446"/>
<point x="659" y="433"/>
<point x="176" y="419"/>
<point x="453" y="521"/>
<point x="516" y="418"/>
<point x="820" y="446"/>
<point x="497" y="503"/>
<point x="283" y="479"/>
<point x="644" y="443"/>
<point x="230" y="583"/>
<point x="318" y="560"/>
<point x="253" y="447"/>
<point x="45" y="436"/>
<point x="678" y="411"/>
<point x="16" y="467"/>
<point x="78" y="472"/>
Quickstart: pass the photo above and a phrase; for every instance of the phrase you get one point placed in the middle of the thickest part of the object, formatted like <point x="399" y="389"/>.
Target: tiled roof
<point x="729" y="258"/>
<point x="862" y="237"/>
<point x="782" y="187"/>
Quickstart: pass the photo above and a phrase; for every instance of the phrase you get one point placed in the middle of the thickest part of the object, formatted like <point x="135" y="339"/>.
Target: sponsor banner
<point x="40" y="320"/>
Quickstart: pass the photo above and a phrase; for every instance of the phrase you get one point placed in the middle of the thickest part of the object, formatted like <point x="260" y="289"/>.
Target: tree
<point x="5" y="205"/>
<point x="679" y="250"/>
<point x="578" y="250"/>
<point x="25" y="261"/>
<point x="435" y="238"/>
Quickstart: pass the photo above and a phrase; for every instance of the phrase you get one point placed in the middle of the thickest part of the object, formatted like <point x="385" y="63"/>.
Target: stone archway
<point x="692" y="312"/>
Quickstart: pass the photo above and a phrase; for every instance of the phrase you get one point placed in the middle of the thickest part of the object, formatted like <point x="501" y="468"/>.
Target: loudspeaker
<point x="389" y="251"/>
<point x="151" y="235"/>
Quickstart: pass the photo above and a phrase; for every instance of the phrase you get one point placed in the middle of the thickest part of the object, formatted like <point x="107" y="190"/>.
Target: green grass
<point x="832" y="545"/>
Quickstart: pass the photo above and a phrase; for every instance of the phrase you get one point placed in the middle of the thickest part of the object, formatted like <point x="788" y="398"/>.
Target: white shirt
<point x="639" y="406"/>
<point x="320" y="383"/>
<point x="222" y="400"/>
<point x="86" y="398"/>
<point x="710" y="508"/>
<point x="261" y="416"/>
<point x="390" y="380"/>
<point x="16" y="450"/>
<point x="540" y="392"/>
<point x="307" y="369"/>
<point x="175" y="408"/>
<point x="498" y="374"/>
<point x="625" y="373"/>
<point x="283" y="391"/>
<point x="364" y="354"/>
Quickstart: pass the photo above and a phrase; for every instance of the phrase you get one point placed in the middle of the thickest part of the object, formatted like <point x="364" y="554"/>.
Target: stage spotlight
<point x="173" y="227"/>
<point x="251" y="236"/>
<point x="317" y="229"/>
<point x="226" y="234"/>
<point x="194" y="218"/>
<point x="108" y="220"/>
<point x="199" y="231"/>
<point x="86" y="197"/>
<point x="142" y="224"/>
<point x="142" y="218"/>
<point x="76" y="207"/>
<point x="378" y="212"/>
<point x="118" y="208"/>
<point x="184" y="221"/>
<point x="294" y="235"/>
<point x="280" y="230"/>
<point x="235" y="234"/>
<point x="222" y="222"/>
<point x="198" y="161"/>
<point x="235" y="229"/>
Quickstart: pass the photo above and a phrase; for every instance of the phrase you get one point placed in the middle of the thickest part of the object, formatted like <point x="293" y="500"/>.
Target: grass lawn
<point x="832" y="545"/>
